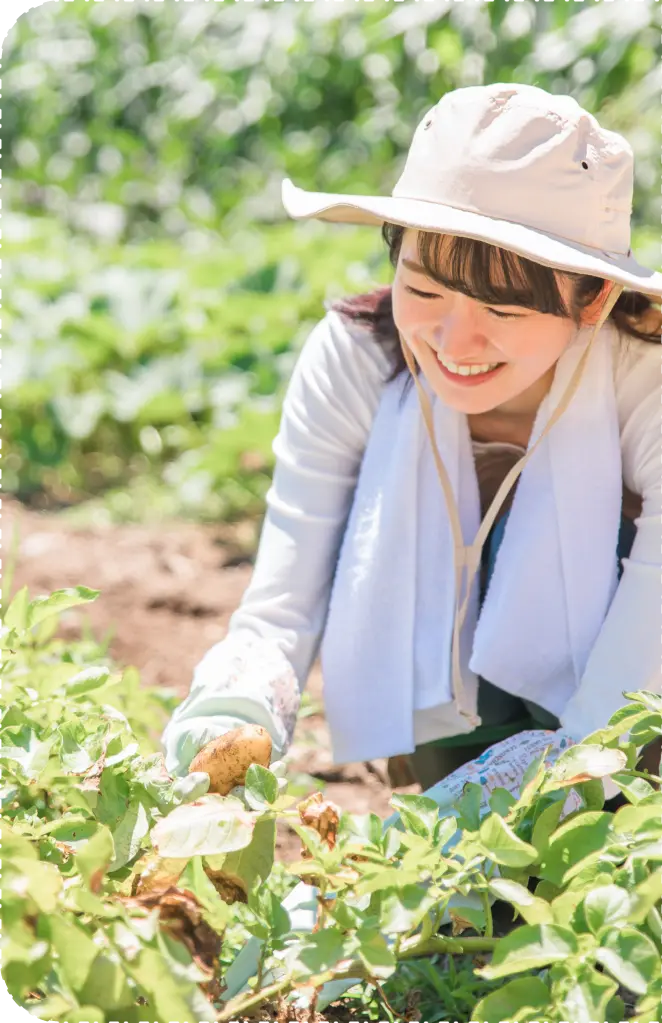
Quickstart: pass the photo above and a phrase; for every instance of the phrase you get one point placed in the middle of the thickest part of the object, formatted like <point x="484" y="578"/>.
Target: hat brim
<point x="548" y="249"/>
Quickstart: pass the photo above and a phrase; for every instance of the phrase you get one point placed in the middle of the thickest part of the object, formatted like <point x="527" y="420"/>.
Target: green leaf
<point x="564" y="906"/>
<point x="418" y="813"/>
<point x="650" y="852"/>
<point x="58" y="601"/>
<point x="469" y="805"/>
<point x="652" y="701"/>
<point x="32" y="757"/>
<point x="530" y="948"/>
<point x="654" y="923"/>
<point x="266" y="905"/>
<point x="501" y="801"/>
<point x="546" y="823"/>
<point x="634" y="789"/>
<point x="94" y="858"/>
<point x="128" y="835"/>
<point x="645" y="731"/>
<point x="592" y="793"/>
<point x="75" y="949"/>
<point x="210" y="826"/>
<point x="86" y="1014"/>
<point x="532" y="909"/>
<point x="533" y="778"/>
<point x="43" y="881"/>
<point x="89" y="679"/>
<point x="366" y="826"/>
<point x="261" y="787"/>
<point x="16" y="615"/>
<point x="606" y="907"/>
<point x="85" y="902"/>
<point x="403" y="909"/>
<point x="75" y="829"/>
<point x="525" y="993"/>
<point x="15" y="845"/>
<point x="106" y="985"/>
<point x="216" y="912"/>
<point x="630" y="957"/>
<point x="52" y="1007"/>
<point x="573" y="843"/>
<point x="322" y="950"/>
<point x="79" y="748"/>
<point x="114" y="797"/>
<point x="9" y="639"/>
<point x="381" y="878"/>
<point x="589" y="996"/>
<point x="645" y="896"/>
<point x="255" y="861"/>
<point x="619" y="723"/>
<point x="445" y="829"/>
<point x="582" y="763"/>
<point x="135" y="1014"/>
<point x="25" y="966"/>
<point x="375" y="954"/>
<point x="191" y="787"/>
<point x="503" y="845"/>
<point x="650" y="1003"/>
<point x="172" y="997"/>
<point x="643" y="821"/>
<point x="392" y="842"/>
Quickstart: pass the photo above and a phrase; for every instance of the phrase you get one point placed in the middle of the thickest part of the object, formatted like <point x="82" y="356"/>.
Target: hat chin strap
<point x="469" y="557"/>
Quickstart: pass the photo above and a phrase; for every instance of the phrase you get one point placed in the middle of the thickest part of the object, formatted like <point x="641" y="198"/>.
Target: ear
<point x="591" y="313"/>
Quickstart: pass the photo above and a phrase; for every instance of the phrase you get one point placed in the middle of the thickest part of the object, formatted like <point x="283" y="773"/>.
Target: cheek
<point x="534" y="344"/>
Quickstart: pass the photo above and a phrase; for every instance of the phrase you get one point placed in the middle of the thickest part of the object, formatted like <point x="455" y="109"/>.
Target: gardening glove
<point x="501" y="766"/>
<point x="242" y="680"/>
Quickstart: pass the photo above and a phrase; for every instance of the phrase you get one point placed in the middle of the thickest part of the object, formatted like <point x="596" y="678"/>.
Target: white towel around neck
<point x="386" y="648"/>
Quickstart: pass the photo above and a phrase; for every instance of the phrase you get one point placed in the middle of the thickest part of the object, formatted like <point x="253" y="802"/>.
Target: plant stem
<point x="489" y="924"/>
<point x="438" y="945"/>
<point x="355" y="970"/>
<point x="242" y="1003"/>
<point x="642" y="774"/>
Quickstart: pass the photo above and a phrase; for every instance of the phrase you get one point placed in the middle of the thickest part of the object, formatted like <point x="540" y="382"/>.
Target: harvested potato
<point x="227" y="758"/>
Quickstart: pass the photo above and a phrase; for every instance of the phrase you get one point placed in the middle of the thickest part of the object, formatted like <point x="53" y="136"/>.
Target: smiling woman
<point x="522" y="316"/>
<point x="459" y="302"/>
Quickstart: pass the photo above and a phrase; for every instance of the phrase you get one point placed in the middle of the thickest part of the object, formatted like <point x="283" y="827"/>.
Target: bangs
<point x="488" y="274"/>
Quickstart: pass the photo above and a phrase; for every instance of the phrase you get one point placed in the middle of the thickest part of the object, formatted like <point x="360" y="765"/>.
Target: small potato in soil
<point x="227" y="758"/>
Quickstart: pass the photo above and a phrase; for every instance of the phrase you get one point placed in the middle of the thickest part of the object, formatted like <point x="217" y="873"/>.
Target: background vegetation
<point x="156" y="294"/>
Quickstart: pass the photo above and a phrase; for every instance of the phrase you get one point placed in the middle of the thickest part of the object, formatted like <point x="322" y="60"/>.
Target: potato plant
<point x="124" y="889"/>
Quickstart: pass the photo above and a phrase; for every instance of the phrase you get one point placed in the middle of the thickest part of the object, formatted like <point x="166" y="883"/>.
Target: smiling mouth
<point x="474" y="369"/>
<point x="468" y="368"/>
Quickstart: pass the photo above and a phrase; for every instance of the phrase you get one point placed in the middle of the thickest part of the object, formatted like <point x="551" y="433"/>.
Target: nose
<point x="456" y="334"/>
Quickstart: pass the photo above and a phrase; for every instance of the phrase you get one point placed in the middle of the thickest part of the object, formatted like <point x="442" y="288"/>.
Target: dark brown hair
<point x="475" y="268"/>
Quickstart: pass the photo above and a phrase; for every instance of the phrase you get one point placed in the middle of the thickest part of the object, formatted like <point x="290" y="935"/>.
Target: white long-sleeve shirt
<point x="258" y="671"/>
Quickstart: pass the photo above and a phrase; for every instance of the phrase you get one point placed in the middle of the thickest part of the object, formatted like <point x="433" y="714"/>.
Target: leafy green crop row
<point x="147" y="361"/>
<point x="125" y="891"/>
<point x="135" y="122"/>
<point x="156" y="295"/>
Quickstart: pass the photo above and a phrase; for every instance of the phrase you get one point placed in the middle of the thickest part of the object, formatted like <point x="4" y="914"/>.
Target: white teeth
<point x="466" y="371"/>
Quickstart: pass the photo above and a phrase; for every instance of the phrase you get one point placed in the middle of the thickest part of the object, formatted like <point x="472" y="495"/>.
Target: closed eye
<point x="505" y="316"/>
<point x="500" y="314"/>
<point x="421" y="294"/>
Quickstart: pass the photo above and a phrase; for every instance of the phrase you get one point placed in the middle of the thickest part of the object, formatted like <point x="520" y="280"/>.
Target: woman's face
<point x="513" y="350"/>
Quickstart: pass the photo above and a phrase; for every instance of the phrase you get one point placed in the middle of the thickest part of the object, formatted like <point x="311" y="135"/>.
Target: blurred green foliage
<point x="156" y="295"/>
<point x="150" y="364"/>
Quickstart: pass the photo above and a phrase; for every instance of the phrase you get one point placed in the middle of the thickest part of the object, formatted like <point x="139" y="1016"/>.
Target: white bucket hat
<point x="514" y="166"/>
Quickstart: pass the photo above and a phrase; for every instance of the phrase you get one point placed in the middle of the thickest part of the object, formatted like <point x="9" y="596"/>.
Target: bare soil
<point x="166" y="594"/>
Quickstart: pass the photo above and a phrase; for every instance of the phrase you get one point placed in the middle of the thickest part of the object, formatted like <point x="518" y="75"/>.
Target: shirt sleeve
<point x="627" y="655"/>
<point x="258" y="671"/>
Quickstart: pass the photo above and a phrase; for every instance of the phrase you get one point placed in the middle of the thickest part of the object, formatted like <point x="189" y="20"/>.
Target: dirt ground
<point x="167" y="594"/>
